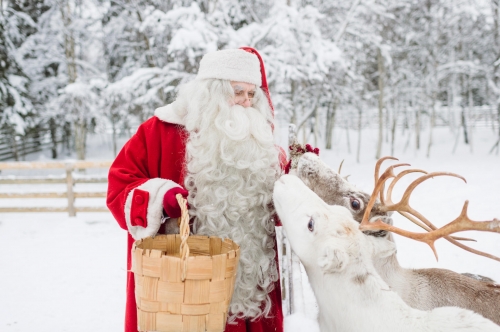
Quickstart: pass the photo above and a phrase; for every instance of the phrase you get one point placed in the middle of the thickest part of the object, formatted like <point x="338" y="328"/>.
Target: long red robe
<point x="157" y="151"/>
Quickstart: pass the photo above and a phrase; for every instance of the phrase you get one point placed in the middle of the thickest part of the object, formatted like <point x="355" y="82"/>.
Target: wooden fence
<point x="16" y="147"/>
<point x="69" y="179"/>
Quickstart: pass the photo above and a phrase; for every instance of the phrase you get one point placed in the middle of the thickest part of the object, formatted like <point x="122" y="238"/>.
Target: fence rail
<point x="69" y="179"/>
<point x="14" y="146"/>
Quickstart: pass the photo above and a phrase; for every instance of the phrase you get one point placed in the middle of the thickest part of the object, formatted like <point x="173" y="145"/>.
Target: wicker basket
<point x="182" y="282"/>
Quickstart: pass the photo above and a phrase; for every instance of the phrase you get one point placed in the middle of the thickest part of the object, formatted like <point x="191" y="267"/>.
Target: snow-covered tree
<point x="65" y="50"/>
<point x="331" y="64"/>
<point x="16" y="109"/>
<point x="151" y="51"/>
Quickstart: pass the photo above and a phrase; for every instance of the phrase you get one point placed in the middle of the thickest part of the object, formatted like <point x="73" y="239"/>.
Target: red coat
<point x="149" y="164"/>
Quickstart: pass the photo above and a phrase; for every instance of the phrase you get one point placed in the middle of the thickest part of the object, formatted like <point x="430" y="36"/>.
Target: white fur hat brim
<point x="233" y="65"/>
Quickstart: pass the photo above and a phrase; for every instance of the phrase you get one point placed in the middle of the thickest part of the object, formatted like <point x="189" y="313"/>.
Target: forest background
<point x="73" y="68"/>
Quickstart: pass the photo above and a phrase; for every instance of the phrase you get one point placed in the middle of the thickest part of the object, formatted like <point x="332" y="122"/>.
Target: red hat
<point x="263" y="85"/>
<point x="236" y="65"/>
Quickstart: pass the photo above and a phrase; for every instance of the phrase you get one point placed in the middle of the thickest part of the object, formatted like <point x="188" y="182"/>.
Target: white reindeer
<point x="423" y="289"/>
<point x="337" y="257"/>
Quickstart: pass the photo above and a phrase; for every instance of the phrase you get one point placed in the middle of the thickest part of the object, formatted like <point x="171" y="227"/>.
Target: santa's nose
<point x="246" y="102"/>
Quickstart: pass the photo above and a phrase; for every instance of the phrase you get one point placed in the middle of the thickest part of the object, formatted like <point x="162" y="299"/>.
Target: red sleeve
<point x="149" y="164"/>
<point x="128" y="171"/>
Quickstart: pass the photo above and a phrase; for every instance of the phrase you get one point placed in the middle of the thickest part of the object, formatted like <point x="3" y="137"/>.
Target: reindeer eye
<point x="310" y="225"/>
<point x="355" y="204"/>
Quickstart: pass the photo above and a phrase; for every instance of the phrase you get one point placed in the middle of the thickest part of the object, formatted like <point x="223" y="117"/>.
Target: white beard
<point x="232" y="164"/>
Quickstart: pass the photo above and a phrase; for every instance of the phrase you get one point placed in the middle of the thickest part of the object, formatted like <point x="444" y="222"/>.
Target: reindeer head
<point x="321" y="235"/>
<point x="336" y="190"/>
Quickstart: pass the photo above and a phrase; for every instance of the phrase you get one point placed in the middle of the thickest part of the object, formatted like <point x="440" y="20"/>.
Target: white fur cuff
<point x="144" y="207"/>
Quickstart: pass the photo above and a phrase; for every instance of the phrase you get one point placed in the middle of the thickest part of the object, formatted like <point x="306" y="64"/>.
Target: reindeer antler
<point x="461" y="223"/>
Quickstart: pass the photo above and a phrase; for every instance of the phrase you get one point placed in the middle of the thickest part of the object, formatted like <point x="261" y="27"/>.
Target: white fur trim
<point x="157" y="188"/>
<point x="173" y="113"/>
<point x="233" y="65"/>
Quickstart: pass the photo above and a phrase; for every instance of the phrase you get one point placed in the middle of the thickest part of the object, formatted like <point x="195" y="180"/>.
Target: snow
<point x="61" y="273"/>
<point x="299" y="322"/>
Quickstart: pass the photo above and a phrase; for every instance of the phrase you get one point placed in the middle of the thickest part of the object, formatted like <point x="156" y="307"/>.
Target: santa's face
<point x="243" y="94"/>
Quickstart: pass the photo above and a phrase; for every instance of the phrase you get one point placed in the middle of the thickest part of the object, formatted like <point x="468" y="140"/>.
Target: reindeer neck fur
<point x="360" y="300"/>
<point x="426" y="289"/>
<point x="413" y="288"/>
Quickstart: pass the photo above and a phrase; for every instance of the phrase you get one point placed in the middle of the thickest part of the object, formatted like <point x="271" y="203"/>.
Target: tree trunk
<point x="381" y="74"/>
<point x="432" y="122"/>
<point x="498" y="116"/>
<point x="358" y="150"/>
<point x="148" y="53"/>
<point x="457" y="137"/>
<point x="316" y="129"/>
<point x="316" y="123"/>
<point x="387" y="121"/>
<point x="471" y="109"/>
<point x="80" y="138"/>
<point x="14" y="147"/>
<point x="452" y="105"/>
<point x="23" y="148"/>
<point x="294" y="117"/>
<point x="113" y="126"/>
<point x="417" y="128"/>
<point x="69" y="41"/>
<point x="347" y="136"/>
<point x="495" y="146"/>
<point x="462" y="114"/>
<point x="407" y="144"/>
<point x="53" y="137"/>
<point x="495" y="4"/>
<point x="330" y="123"/>
<point x="67" y="137"/>
<point x="434" y="86"/>
<point x="406" y="120"/>
<point x="464" y="126"/>
<point x="393" y="131"/>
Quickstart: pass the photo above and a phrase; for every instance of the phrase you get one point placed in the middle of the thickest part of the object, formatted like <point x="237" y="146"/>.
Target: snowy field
<point x="60" y="273"/>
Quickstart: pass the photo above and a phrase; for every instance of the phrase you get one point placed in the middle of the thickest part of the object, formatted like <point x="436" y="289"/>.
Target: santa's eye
<point x="355" y="204"/>
<point x="310" y="225"/>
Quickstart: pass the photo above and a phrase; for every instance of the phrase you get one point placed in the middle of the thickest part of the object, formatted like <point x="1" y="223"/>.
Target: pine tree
<point x="16" y="110"/>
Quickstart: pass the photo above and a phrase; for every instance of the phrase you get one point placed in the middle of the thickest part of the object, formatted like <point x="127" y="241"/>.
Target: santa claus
<point x="215" y="145"/>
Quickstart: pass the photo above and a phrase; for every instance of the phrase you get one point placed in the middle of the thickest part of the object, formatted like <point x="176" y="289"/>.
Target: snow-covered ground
<point x="60" y="273"/>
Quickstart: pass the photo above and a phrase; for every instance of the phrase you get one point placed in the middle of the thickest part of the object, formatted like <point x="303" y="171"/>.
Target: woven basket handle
<point x="184" y="233"/>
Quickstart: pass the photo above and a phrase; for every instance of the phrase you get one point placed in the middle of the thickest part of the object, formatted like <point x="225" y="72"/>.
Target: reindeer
<point x="423" y="289"/>
<point x="337" y="257"/>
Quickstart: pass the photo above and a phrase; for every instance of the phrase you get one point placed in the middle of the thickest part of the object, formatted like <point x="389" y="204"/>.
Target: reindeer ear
<point x="332" y="259"/>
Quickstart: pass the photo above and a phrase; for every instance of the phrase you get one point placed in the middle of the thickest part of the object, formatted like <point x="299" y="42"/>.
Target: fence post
<point x="70" y="193"/>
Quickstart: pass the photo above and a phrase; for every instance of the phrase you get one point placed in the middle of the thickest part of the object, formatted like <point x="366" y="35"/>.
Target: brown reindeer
<point x="423" y="289"/>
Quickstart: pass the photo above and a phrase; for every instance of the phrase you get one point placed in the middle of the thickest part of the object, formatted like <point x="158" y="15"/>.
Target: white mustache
<point x="239" y="124"/>
<point x="234" y="122"/>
